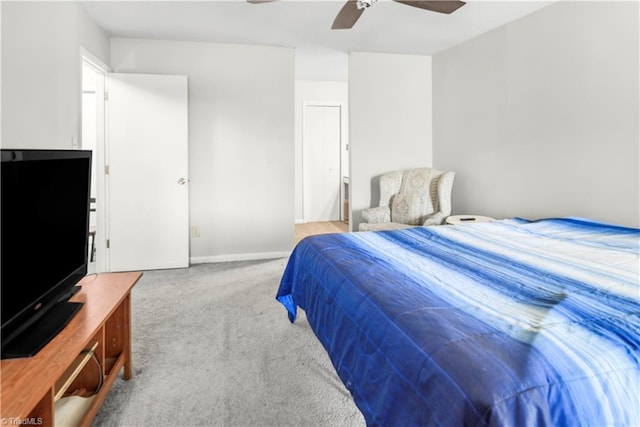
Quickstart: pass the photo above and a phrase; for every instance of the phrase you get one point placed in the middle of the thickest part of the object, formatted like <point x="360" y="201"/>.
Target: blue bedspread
<point x="510" y="323"/>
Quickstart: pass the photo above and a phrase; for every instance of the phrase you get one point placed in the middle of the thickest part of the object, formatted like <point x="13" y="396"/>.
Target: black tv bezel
<point x="28" y="315"/>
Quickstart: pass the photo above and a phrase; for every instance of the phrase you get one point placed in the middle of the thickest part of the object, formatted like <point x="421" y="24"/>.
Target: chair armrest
<point x="377" y="215"/>
<point x="435" y="219"/>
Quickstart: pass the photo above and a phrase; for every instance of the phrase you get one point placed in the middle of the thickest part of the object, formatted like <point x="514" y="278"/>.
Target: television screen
<point x="44" y="219"/>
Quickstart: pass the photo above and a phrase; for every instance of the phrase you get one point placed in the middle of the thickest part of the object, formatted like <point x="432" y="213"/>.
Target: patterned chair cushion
<point x="416" y="181"/>
<point x="411" y="209"/>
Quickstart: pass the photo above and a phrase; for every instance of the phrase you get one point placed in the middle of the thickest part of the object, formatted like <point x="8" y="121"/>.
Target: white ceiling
<point x="386" y="27"/>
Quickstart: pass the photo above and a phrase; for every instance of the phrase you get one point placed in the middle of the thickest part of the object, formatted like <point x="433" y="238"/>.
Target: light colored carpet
<point x="211" y="346"/>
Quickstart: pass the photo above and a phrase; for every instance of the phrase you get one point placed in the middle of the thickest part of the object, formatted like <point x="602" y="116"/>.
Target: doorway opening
<point x="325" y="172"/>
<point x="93" y="138"/>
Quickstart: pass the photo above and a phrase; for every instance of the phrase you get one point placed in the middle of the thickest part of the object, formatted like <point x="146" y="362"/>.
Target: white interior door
<point x="148" y="205"/>
<point x="321" y="162"/>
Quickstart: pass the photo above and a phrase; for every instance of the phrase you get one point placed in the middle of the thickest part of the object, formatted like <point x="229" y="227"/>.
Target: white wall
<point x="321" y="64"/>
<point x="41" y="77"/>
<point x="390" y="121"/>
<point x="539" y="118"/>
<point x="241" y="141"/>
<point x="317" y="91"/>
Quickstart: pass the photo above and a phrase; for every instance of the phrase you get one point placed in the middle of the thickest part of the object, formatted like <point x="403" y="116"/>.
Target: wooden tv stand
<point x="35" y="390"/>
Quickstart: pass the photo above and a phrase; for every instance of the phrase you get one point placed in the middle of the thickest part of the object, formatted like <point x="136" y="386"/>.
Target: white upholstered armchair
<point x="420" y="196"/>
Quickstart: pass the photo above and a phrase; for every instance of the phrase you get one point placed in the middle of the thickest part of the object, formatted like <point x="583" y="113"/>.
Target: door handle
<point x="182" y="181"/>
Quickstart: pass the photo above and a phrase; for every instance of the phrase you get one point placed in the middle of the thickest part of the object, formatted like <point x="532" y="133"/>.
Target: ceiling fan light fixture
<point x="363" y="4"/>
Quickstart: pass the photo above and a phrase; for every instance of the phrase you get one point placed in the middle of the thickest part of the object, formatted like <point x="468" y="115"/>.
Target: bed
<point x="510" y="322"/>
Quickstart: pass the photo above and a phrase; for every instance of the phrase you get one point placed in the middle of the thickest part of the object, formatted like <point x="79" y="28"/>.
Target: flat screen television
<point x="44" y="215"/>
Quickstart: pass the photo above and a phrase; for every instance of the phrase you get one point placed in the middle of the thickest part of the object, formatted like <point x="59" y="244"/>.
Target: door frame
<point x="342" y="149"/>
<point x="87" y="58"/>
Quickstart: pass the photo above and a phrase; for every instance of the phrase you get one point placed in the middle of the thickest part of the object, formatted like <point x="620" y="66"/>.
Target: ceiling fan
<point x="353" y="9"/>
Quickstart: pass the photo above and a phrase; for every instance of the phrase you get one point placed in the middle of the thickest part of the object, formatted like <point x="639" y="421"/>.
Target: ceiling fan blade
<point x="442" y="6"/>
<point x="347" y="16"/>
<point x="260" y="1"/>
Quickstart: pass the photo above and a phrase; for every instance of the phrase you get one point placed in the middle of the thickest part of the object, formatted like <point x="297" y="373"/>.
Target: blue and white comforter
<point x="510" y="323"/>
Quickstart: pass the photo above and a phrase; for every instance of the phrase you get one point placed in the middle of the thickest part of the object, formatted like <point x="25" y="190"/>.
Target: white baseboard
<point x="300" y="221"/>
<point x="238" y="257"/>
